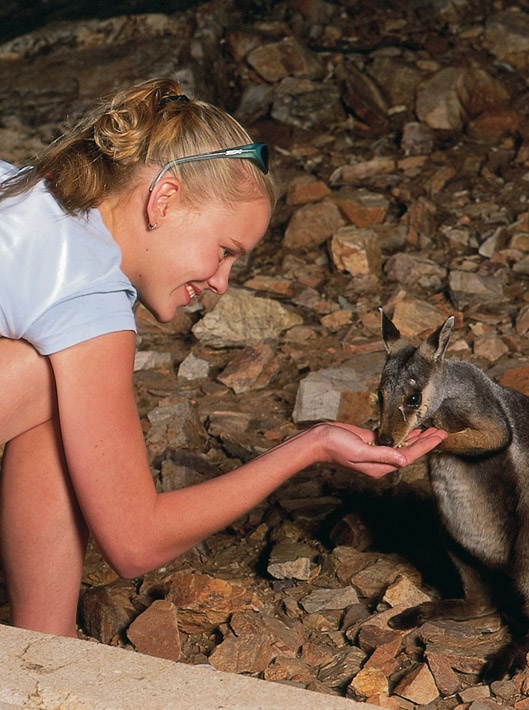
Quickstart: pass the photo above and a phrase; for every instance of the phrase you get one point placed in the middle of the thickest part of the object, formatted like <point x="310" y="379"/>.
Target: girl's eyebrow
<point x="239" y="249"/>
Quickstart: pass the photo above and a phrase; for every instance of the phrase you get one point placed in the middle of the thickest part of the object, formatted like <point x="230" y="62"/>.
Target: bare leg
<point x="42" y="533"/>
<point x="27" y="386"/>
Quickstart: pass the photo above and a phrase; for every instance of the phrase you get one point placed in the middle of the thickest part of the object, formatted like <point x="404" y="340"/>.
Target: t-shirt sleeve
<point x="78" y="319"/>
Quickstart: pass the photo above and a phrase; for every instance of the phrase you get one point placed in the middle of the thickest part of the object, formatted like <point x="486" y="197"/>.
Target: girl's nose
<point x="218" y="283"/>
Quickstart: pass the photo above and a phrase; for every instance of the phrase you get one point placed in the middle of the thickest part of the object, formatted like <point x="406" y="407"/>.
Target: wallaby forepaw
<point x="407" y="619"/>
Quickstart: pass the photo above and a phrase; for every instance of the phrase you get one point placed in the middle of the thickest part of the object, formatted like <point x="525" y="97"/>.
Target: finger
<point x="381" y="455"/>
<point x="420" y="433"/>
<point x="433" y="430"/>
<point x="423" y="446"/>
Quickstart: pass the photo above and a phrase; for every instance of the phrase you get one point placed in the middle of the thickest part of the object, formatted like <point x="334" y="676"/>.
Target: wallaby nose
<point x="385" y="439"/>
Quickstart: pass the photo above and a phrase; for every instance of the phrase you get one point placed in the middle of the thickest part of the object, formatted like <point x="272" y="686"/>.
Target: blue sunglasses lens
<point x="261" y="150"/>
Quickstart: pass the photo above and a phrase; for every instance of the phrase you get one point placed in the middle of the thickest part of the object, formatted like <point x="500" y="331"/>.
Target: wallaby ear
<point x="391" y="336"/>
<point x="434" y="347"/>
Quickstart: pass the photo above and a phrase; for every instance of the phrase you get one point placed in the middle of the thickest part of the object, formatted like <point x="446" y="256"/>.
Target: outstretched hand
<point x="353" y="447"/>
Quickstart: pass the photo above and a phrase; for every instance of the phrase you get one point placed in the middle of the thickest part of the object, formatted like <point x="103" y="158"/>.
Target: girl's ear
<point x="166" y="194"/>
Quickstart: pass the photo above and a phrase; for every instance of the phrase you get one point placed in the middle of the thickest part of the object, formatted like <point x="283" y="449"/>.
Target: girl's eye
<point x="414" y="400"/>
<point x="226" y="253"/>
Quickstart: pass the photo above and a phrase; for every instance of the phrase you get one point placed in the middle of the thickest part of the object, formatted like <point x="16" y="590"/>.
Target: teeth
<point x="191" y="291"/>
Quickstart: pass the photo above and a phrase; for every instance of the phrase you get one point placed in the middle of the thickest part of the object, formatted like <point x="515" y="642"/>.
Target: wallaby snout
<point x="385" y="439"/>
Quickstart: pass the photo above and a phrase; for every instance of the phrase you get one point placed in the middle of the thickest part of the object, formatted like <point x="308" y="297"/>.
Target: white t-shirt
<point x="60" y="276"/>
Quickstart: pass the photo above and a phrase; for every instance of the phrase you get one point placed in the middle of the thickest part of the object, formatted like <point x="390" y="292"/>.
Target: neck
<point x="124" y="217"/>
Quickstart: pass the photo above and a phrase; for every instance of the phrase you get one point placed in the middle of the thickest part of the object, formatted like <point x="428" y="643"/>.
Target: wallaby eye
<point x="380" y="398"/>
<point x="413" y="400"/>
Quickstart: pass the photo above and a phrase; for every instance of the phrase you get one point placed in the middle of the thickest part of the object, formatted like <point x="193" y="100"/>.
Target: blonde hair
<point x="140" y="126"/>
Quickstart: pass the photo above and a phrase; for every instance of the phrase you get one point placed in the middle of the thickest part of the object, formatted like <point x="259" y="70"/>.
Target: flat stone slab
<point x="39" y="670"/>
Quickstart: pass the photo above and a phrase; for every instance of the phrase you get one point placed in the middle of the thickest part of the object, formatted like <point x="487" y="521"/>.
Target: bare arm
<point x="138" y="529"/>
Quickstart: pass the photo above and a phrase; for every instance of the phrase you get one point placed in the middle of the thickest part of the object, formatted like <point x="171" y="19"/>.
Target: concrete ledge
<point x="43" y="672"/>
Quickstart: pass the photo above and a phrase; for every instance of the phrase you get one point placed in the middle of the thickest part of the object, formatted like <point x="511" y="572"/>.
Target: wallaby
<point x="479" y="475"/>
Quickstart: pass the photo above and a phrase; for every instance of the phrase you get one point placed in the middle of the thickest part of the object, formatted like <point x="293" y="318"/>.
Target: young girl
<point x="152" y="196"/>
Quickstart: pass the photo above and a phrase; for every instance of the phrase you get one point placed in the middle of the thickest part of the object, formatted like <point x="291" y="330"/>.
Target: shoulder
<point x="6" y="170"/>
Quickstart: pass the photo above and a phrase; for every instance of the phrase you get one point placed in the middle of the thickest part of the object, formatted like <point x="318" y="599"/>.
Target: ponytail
<point x="151" y="123"/>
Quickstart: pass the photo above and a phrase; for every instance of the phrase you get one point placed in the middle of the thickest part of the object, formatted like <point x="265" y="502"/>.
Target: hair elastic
<point x="173" y="97"/>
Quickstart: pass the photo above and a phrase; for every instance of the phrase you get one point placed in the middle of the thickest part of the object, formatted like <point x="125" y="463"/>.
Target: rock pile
<point x="401" y="137"/>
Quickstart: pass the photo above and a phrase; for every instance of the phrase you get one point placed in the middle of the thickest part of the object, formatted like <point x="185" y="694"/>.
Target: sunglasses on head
<point x="256" y="152"/>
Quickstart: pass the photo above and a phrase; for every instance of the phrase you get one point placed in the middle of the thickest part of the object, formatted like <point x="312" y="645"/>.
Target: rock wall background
<point x="399" y="132"/>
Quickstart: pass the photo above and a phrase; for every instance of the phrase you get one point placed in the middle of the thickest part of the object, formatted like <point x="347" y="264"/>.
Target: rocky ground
<point x="400" y="135"/>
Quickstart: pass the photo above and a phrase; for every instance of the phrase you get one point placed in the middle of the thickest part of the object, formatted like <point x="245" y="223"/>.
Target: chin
<point x="164" y="317"/>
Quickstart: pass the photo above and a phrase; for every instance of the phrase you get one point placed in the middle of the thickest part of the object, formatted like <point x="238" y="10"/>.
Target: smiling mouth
<point x="191" y="291"/>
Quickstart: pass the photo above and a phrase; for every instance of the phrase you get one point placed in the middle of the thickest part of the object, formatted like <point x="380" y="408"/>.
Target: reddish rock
<point x="155" y="631"/>
<point x="476" y="692"/>
<point x="107" y="611"/>
<point x="346" y="562"/>
<point x="384" y="657"/>
<point x="522" y="320"/>
<point x="453" y="95"/>
<point x="414" y="271"/>
<point x="316" y="654"/>
<point x="375" y="632"/>
<point x="361" y="95"/>
<point x="358" y="172"/>
<point x="420" y="220"/>
<point x="281" y="287"/>
<point x="418" y="686"/>
<point x="339" y="672"/>
<point x="336" y="320"/>
<point x="445" y="678"/>
<point x="491" y="125"/>
<point x="440" y="178"/>
<point x="252" y="369"/>
<point x="369" y="681"/>
<point x="258" y="639"/>
<point x="413" y="317"/>
<point x="362" y="208"/>
<point x="204" y="602"/>
<point x="490" y="347"/>
<point x="285" y="58"/>
<point x="243" y="654"/>
<point x="355" y="408"/>
<point x="301" y="193"/>
<point x="284" y="638"/>
<point x="384" y="701"/>
<point x="294" y="669"/>
<point x="404" y="591"/>
<point x="356" y="251"/>
<point x="311" y="225"/>
<point x="506" y="36"/>
<point x="517" y="378"/>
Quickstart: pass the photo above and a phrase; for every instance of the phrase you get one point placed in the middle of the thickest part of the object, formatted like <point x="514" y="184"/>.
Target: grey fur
<point x="479" y="475"/>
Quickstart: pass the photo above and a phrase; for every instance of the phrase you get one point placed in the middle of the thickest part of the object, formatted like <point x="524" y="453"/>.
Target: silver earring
<point x="152" y="226"/>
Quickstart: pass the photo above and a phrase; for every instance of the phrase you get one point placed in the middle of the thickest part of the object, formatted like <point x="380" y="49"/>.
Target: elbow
<point x="128" y="569"/>
<point x="130" y="560"/>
